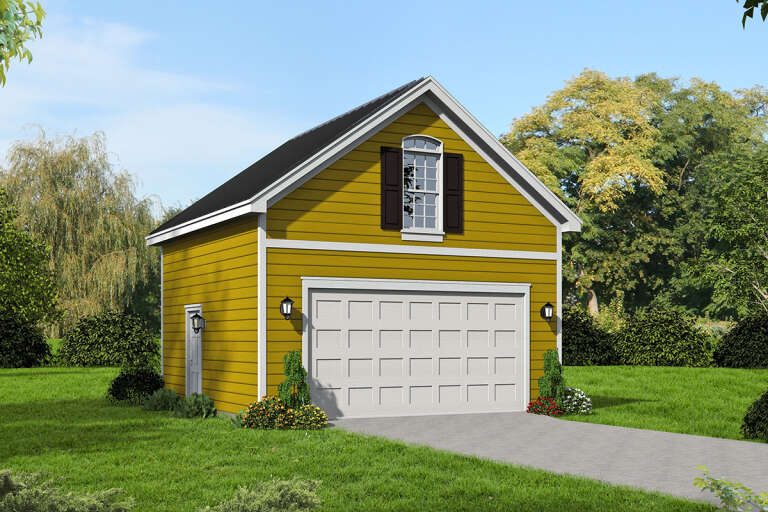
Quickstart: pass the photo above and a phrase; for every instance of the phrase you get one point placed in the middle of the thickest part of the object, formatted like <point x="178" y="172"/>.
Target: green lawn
<point x="56" y="420"/>
<point x="703" y="401"/>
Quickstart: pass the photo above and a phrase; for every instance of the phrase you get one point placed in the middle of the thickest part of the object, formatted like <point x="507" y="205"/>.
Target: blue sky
<point x="190" y="93"/>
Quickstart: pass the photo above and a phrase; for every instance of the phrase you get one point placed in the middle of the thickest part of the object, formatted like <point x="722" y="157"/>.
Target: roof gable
<point x="299" y="159"/>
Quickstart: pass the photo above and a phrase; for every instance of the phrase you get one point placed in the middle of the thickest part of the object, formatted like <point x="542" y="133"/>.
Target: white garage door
<point x="392" y="353"/>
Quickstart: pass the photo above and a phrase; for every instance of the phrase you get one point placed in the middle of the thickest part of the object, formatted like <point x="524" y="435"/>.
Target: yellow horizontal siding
<point x="342" y="203"/>
<point x="216" y="268"/>
<point x="285" y="267"/>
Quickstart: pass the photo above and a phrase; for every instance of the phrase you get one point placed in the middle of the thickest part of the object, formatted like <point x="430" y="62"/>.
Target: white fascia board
<point x="317" y="245"/>
<point x="230" y="212"/>
<point x="387" y="114"/>
<point x="347" y="142"/>
<point x="573" y="222"/>
<point x="340" y="147"/>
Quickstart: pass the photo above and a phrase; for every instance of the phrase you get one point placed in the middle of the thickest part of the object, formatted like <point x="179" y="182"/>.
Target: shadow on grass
<point x="75" y="426"/>
<point x="604" y="402"/>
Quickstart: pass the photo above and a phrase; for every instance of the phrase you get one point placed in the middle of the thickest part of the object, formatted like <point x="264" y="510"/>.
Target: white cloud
<point x="164" y="126"/>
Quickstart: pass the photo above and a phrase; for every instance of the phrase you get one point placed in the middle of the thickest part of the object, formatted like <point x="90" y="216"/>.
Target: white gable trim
<point x="363" y="131"/>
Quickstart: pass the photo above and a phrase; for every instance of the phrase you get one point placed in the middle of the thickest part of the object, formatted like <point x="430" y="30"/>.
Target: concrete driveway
<point x="656" y="461"/>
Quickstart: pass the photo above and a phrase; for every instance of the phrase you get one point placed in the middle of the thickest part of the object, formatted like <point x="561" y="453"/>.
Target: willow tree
<point x="69" y="196"/>
<point x="591" y="143"/>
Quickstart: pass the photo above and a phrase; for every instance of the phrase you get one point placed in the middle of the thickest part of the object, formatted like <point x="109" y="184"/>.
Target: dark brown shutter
<point x="453" y="193"/>
<point x="391" y="188"/>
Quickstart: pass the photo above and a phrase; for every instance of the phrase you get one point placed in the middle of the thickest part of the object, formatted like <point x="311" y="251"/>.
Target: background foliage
<point x="69" y="196"/>
<point x="20" y="21"/>
<point x="654" y="168"/>
<point x="110" y="339"/>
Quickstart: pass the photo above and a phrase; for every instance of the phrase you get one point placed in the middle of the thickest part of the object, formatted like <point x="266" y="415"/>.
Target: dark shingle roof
<point x="279" y="162"/>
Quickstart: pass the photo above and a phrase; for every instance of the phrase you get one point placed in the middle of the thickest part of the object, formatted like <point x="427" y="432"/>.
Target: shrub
<point x="584" y="342"/>
<point x="275" y="496"/>
<point x="552" y="384"/>
<point x="745" y="345"/>
<point x="22" y="345"/>
<point x="662" y="337"/>
<point x="294" y="390"/>
<point x="309" y="417"/>
<point x="133" y="386"/>
<point x="733" y="496"/>
<point x="273" y="412"/>
<point x="544" y="405"/>
<point x="576" y="402"/>
<point x="110" y="339"/>
<point x="755" y="424"/>
<point x="196" y="405"/>
<point x="29" y="493"/>
<point x="161" y="400"/>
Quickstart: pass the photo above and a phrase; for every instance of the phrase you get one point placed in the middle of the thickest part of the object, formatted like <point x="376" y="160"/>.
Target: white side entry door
<point x="194" y="351"/>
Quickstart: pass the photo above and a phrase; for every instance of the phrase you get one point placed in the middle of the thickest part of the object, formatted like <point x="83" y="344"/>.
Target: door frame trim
<point x="310" y="284"/>
<point x="187" y="309"/>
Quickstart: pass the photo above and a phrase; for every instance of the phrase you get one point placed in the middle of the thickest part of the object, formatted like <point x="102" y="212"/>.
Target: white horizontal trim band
<point x="277" y="243"/>
<point x="414" y="285"/>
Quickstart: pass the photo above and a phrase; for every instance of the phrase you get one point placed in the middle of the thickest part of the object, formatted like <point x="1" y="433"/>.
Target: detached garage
<point x="399" y="246"/>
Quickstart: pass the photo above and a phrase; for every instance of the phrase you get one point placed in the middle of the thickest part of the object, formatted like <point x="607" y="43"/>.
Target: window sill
<point x="422" y="236"/>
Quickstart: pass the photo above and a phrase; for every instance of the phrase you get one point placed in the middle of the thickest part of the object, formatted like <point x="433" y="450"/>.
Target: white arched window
<point x="422" y="178"/>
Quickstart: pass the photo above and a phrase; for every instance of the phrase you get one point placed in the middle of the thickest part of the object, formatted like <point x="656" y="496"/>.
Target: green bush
<point x="133" y="386"/>
<point x="161" y="400"/>
<point x="22" y="345"/>
<point x="110" y="339"/>
<point x="294" y="390"/>
<point x="745" y="345"/>
<point x="755" y="424"/>
<point x="29" y="493"/>
<point x="584" y="342"/>
<point x="275" y="496"/>
<point x="552" y="384"/>
<point x="196" y="405"/>
<point x="273" y="412"/>
<point x="662" y="337"/>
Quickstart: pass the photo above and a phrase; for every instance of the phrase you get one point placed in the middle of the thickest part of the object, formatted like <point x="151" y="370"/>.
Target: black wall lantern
<point x="286" y="308"/>
<point x="547" y="312"/>
<point x="198" y="322"/>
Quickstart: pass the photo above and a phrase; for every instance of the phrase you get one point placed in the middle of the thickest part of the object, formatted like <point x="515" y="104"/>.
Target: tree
<point x="27" y="285"/>
<point x="20" y="21"/>
<point x="643" y="240"/>
<point x="591" y="143"/>
<point x="69" y="196"/>
<point x="739" y="269"/>
<point x="749" y="10"/>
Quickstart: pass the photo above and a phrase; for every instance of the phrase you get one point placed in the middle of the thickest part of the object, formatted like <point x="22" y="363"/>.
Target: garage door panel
<point x="378" y="353"/>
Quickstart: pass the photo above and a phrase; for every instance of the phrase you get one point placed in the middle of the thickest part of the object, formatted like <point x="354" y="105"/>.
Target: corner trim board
<point x="261" y="293"/>
<point x="278" y="243"/>
<point x="559" y="298"/>
<point x="162" y="312"/>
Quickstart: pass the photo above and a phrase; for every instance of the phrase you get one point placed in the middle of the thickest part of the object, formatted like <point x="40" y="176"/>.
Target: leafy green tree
<point x="749" y="10"/>
<point x="69" y="196"/>
<point x="20" y="21"/>
<point x="591" y="143"/>
<point x="647" y="228"/>
<point x="698" y="124"/>
<point x="739" y="266"/>
<point x="27" y="285"/>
